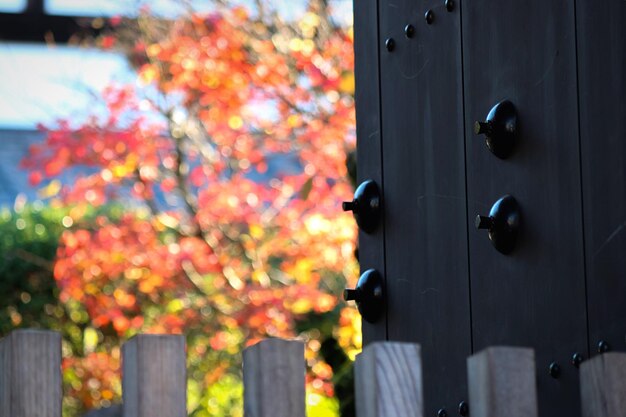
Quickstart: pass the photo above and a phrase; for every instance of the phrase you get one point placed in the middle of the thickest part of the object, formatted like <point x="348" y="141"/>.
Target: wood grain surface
<point x="30" y="374"/>
<point x="603" y="385"/>
<point x="273" y="379"/>
<point x="389" y="381"/>
<point x="154" y="379"/>
<point x="502" y="382"/>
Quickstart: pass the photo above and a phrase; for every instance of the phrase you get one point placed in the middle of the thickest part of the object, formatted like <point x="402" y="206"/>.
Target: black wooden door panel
<point x="602" y="89"/>
<point x="526" y="52"/>
<point x="369" y="158"/>
<point x="424" y="192"/>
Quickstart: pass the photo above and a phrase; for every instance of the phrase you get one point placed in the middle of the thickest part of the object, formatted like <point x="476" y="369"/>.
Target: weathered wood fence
<point x="501" y="380"/>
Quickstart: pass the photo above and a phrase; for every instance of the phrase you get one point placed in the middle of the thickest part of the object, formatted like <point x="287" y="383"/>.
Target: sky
<point x="39" y="84"/>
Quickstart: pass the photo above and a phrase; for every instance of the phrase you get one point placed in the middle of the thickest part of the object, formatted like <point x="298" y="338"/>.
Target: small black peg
<point x="463" y="409"/>
<point x="350" y="295"/>
<point x="577" y="359"/>
<point x="483" y="222"/>
<point x="554" y="370"/>
<point x="348" y="205"/>
<point x="603" y="346"/>
<point x="483" y="128"/>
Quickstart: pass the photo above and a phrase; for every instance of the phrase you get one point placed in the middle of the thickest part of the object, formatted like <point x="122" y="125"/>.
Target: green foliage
<point x="28" y="243"/>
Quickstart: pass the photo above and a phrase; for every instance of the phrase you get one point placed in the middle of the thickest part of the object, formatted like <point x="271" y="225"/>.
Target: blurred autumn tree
<point x="229" y="153"/>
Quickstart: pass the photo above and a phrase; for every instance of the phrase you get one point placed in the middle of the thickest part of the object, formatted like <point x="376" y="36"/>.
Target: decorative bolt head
<point x="463" y="409"/>
<point x="409" y="31"/>
<point x="442" y="413"/>
<point x="577" y="359"/>
<point x="390" y="44"/>
<point x="429" y="16"/>
<point x="603" y="346"/>
<point x="449" y="5"/>
<point x="554" y="370"/>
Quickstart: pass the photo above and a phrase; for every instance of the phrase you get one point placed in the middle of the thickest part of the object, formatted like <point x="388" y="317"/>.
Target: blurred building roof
<point x="14" y="180"/>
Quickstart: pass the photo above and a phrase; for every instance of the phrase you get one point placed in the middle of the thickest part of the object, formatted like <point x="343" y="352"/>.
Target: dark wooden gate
<point x="425" y="72"/>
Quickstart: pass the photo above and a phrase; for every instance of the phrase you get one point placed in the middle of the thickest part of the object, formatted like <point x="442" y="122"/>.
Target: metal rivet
<point x="554" y="370"/>
<point x="577" y="359"/>
<point x="442" y="413"/>
<point x="463" y="408"/>
<point x="449" y="5"/>
<point x="409" y="30"/>
<point x="603" y="346"/>
<point x="429" y="16"/>
<point x="390" y="44"/>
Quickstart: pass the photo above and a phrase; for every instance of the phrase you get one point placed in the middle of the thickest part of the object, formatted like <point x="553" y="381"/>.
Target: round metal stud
<point x="409" y="31"/>
<point x="554" y="370"/>
<point x="577" y="359"/>
<point x="429" y="16"/>
<point x="449" y="5"/>
<point x="463" y="409"/>
<point x="603" y="346"/>
<point x="390" y="44"/>
<point x="442" y="413"/>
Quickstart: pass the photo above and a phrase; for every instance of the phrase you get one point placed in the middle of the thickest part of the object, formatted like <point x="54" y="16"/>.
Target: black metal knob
<point x="500" y="129"/>
<point x="369" y="295"/>
<point x="502" y="223"/>
<point x="365" y="206"/>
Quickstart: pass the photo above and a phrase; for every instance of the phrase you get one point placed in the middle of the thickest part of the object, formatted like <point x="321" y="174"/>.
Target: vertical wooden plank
<point x="368" y="131"/>
<point x="425" y="200"/>
<point x="273" y="379"/>
<point x="30" y="374"/>
<point x="388" y="381"/>
<point x="154" y="379"/>
<point x="535" y="296"/>
<point x="603" y="386"/>
<point x="502" y="382"/>
<point x="601" y="34"/>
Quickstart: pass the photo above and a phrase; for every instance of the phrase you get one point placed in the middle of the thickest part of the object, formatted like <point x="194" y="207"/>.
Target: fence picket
<point x="273" y="379"/>
<point x="502" y="382"/>
<point x="154" y="374"/>
<point x="603" y="385"/>
<point x="388" y="381"/>
<point x="30" y="374"/>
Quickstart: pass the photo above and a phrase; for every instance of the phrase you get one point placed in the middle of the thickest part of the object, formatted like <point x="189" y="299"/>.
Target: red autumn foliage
<point x="230" y="155"/>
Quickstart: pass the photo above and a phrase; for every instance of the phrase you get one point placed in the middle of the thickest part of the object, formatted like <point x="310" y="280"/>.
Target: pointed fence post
<point x="502" y="382"/>
<point x="154" y="378"/>
<point x="273" y="379"/>
<point x="30" y="374"/>
<point x="388" y="381"/>
<point x="603" y="385"/>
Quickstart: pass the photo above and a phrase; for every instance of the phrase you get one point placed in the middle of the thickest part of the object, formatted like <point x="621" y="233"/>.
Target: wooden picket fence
<point x="502" y="380"/>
